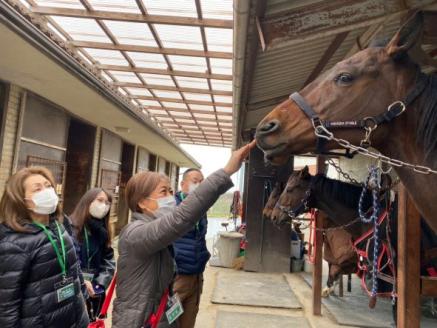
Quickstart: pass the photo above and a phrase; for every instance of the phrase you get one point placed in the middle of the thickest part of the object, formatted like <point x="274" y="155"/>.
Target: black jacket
<point x="29" y="271"/>
<point x="102" y="262"/>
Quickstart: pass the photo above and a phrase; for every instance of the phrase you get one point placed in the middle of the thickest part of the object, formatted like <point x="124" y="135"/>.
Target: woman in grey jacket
<point x="145" y="263"/>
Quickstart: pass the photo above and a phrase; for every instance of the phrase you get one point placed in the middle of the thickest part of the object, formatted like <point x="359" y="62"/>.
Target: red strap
<point x="155" y="318"/>
<point x="108" y="298"/>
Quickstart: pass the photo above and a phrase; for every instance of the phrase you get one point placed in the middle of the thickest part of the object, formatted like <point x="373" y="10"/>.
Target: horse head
<point x="273" y="198"/>
<point x="360" y="87"/>
<point x="293" y="197"/>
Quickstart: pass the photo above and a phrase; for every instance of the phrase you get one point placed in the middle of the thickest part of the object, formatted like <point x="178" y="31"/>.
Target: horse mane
<point x="345" y="193"/>
<point x="426" y="132"/>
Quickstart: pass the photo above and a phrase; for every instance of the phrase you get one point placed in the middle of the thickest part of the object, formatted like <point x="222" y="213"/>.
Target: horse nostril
<point x="268" y="127"/>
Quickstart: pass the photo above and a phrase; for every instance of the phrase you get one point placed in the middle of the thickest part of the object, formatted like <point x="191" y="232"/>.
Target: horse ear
<point x="407" y="36"/>
<point x="305" y="173"/>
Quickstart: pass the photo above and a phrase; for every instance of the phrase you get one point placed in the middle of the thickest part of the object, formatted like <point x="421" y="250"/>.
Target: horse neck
<point x="327" y="202"/>
<point x="402" y="145"/>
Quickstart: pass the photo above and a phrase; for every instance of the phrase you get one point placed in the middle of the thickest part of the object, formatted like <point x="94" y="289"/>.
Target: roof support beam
<point x="326" y="18"/>
<point x="154" y="50"/>
<point x="169" y="88"/>
<point x="131" y="17"/>
<point x="164" y="72"/>
<point x="182" y="101"/>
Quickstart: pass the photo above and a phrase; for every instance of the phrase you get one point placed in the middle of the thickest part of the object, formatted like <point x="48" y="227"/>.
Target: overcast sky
<point x="211" y="158"/>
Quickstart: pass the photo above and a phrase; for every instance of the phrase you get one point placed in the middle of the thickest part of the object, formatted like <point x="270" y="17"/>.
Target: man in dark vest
<point x="191" y="256"/>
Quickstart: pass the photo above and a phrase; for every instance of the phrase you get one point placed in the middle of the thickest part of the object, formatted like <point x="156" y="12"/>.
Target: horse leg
<point x="340" y="286"/>
<point x="349" y="283"/>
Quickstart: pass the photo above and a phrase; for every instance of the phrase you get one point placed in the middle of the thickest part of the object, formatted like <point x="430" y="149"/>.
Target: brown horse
<point x="273" y="199"/>
<point x="338" y="247"/>
<point x="364" y="86"/>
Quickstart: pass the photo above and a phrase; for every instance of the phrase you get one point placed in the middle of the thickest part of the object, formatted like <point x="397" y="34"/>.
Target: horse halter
<point x="303" y="207"/>
<point x="369" y="123"/>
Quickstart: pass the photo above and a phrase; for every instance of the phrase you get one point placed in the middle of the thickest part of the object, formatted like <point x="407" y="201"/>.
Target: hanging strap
<point x="155" y="318"/>
<point x="108" y="298"/>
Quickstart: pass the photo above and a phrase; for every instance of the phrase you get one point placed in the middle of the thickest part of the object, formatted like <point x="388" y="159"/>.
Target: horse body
<point x="361" y="86"/>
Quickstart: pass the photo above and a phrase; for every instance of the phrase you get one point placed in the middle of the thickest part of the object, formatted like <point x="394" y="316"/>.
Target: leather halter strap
<point x="371" y="122"/>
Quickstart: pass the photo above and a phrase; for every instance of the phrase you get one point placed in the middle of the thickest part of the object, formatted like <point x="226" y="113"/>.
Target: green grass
<point x="221" y="208"/>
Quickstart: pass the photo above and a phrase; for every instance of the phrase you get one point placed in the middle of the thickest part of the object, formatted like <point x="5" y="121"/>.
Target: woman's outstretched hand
<point x="237" y="158"/>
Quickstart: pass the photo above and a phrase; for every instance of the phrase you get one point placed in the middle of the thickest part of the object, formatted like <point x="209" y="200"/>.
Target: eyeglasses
<point x="104" y="201"/>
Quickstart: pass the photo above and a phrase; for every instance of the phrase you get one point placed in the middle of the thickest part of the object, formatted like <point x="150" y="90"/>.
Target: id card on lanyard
<point x="88" y="273"/>
<point x="65" y="288"/>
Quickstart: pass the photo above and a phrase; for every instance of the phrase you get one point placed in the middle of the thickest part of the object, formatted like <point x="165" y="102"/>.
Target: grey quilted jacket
<point x="145" y="265"/>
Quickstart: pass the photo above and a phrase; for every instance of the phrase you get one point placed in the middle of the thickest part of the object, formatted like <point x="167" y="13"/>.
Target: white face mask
<point x="45" y="201"/>
<point x="98" y="209"/>
<point x="165" y="202"/>
<point x="192" y="187"/>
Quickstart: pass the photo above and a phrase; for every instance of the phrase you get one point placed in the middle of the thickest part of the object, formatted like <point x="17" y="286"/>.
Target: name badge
<point x="65" y="289"/>
<point x="175" y="309"/>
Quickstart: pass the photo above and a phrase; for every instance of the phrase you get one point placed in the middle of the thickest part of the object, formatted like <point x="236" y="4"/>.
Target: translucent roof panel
<point x="219" y="39"/>
<point x="169" y="104"/>
<point x="73" y="4"/>
<point x="192" y="82"/>
<point x="183" y="8"/>
<point x="197" y="96"/>
<point x="82" y="29"/>
<point x="149" y="102"/>
<point x="223" y="99"/>
<point x="125" y="76"/>
<point x="221" y="66"/>
<point x="222" y="85"/>
<point x="158" y="79"/>
<point x="132" y="33"/>
<point x="139" y="91"/>
<point x="160" y="62"/>
<point x="107" y="57"/>
<point x="127" y="6"/>
<point x="142" y="59"/>
<point x="182" y="37"/>
<point x="188" y="63"/>
<point x="167" y="94"/>
<point x="219" y="9"/>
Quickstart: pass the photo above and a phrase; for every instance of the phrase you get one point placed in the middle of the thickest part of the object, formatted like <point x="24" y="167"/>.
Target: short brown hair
<point x="140" y="186"/>
<point x="13" y="209"/>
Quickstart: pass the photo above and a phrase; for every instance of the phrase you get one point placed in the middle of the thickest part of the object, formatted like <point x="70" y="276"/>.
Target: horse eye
<point x="344" y="78"/>
<point x="290" y="189"/>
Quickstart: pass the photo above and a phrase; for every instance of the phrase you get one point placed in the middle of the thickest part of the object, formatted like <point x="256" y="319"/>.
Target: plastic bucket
<point x="296" y="250"/>
<point x="228" y="247"/>
<point x="296" y="265"/>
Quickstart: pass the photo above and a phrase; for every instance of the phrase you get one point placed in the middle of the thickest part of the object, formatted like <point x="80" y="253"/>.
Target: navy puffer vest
<point x="191" y="254"/>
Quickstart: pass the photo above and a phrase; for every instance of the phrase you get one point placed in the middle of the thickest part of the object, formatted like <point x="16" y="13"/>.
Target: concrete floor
<point x="207" y="316"/>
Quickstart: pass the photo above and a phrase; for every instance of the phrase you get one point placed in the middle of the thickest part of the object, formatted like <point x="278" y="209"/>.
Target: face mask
<point x="192" y="187"/>
<point x="165" y="202"/>
<point x="98" y="209"/>
<point x="45" y="201"/>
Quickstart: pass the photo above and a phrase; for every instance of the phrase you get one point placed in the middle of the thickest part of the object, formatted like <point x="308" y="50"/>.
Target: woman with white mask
<point x="145" y="264"/>
<point x="40" y="280"/>
<point x="92" y="232"/>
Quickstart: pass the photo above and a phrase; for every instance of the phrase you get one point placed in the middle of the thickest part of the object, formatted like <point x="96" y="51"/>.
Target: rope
<point x="373" y="180"/>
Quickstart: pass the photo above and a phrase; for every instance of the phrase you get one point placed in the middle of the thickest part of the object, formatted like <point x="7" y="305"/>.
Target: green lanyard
<point x="61" y="259"/>
<point x="182" y="199"/>
<point x="87" y="245"/>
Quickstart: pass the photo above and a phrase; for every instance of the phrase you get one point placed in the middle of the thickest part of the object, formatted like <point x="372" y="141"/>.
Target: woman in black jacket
<point x="40" y="280"/>
<point x="90" y="220"/>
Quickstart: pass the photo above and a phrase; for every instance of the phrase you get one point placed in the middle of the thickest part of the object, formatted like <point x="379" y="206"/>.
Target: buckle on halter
<point x="397" y="105"/>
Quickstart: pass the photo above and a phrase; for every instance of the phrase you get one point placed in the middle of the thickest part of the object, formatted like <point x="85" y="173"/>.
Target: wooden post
<point x="408" y="278"/>
<point x="318" y="259"/>
<point x="318" y="267"/>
